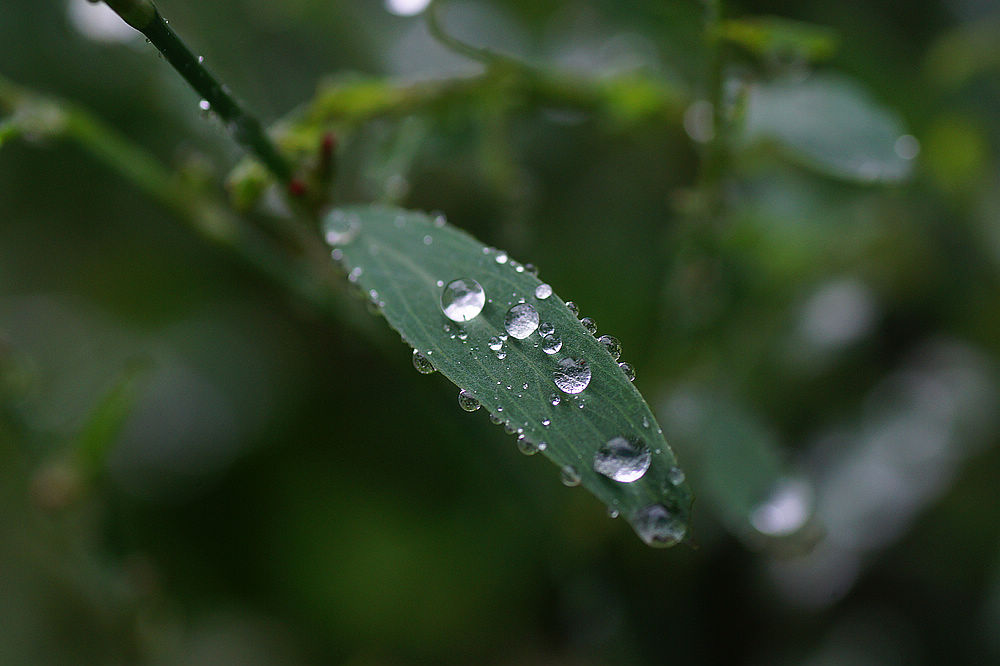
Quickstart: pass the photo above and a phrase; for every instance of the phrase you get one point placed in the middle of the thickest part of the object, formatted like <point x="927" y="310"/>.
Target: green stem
<point x="246" y="129"/>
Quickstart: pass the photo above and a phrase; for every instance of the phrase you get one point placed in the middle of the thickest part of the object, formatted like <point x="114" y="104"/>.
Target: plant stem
<point x="246" y="129"/>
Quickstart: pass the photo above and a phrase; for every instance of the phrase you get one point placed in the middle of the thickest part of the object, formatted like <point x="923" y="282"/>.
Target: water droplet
<point x="355" y="274"/>
<point x="521" y="321"/>
<point x="421" y="363"/>
<point x="517" y="267"/>
<point x="201" y="59"/>
<point x="546" y="328"/>
<point x="462" y="299"/>
<point x="533" y="269"/>
<point x="337" y="254"/>
<point x="205" y="105"/>
<point x="502" y="354"/>
<point x="462" y="335"/>
<point x="657" y="526"/>
<point x="467" y="401"/>
<point x="590" y="325"/>
<point x="571" y="306"/>
<point x="526" y="446"/>
<point x="525" y="386"/>
<point x="428" y="239"/>
<point x="555" y="399"/>
<point x="501" y="257"/>
<point x="546" y="422"/>
<point x="612" y="512"/>
<point x="339" y="228"/>
<point x="569" y="476"/>
<point x="611" y="343"/>
<point x="439" y="283"/>
<point x="508" y="428"/>
<point x="543" y="291"/>
<point x="645" y="422"/>
<point x="495" y="343"/>
<point x="572" y="375"/>
<point x="551" y="343"/>
<point x="628" y="370"/>
<point x="676" y="476"/>
<point x="439" y="220"/>
<point x="496" y="420"/>
<point x="622" y="460"/>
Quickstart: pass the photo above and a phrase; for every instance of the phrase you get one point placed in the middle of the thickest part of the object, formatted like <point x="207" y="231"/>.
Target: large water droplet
<point x="462" y="299"/>
<point x="572" y="375"/>
<point x="551" y="343"/>
<point x="590" y="325"/>
<point x="622" y="460"/>
<point x="543" y="291"/>
<point x="467" y="401"/>
<point x="628" y="370"/>
<point x="569" y="476"/>
<point x="421" y="363"/>
<point x="340" y="228"/>
<point x="611" y="343"/>
<point x="657" y="526"/>
<point x="521" y="321"/>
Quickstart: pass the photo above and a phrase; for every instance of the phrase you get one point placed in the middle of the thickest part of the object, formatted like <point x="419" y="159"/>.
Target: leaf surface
<point x="403" y="261"/>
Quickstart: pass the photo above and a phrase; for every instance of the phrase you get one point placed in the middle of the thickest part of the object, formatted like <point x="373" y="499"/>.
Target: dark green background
<point x="288" y="492"/>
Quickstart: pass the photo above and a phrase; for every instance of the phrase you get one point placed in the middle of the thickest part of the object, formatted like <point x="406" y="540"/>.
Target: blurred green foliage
<point x="819" y="341"/>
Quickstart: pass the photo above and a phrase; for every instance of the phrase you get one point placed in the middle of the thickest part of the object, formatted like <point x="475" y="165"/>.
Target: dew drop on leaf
<point x="676" y="476"/>
<point x="462" y="299"/>
<point x="340" y="228"/>
<point x="467" y="401"/>
<point x="551" y="343"/>
<point x="571" y="306"/>
<point x="622" y="460"/>
<point x="628" y="370"/>
<point x="495" y="343"/>
<point x="657" y="526"/>
<point x="572" y="376"/>
<point x="590" y="325"/>
<point x="569" y="476"/>
<point x="521" y="321"/>
<point x="611" y="343"/>
<point x="543" y="291"/>
<point x="546" y="328"/>
<point x="526" y="446"/>
<point x="421" y="363"/>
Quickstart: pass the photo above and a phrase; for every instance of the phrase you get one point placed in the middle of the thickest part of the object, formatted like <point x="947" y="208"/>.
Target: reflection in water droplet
<point x="526" y="446"/>
<point x="611" y="343"/>
<point x="571" y="306"/>
<point x="495" y="343"/>
<point x="546" y="328"/>
<point x="572" y="375"/>
<point x="467" y="401"/>
<point x="590" y="325"/>
<point x="628" y="370"/>
<point x="462" y="299"/>
<point x="569" y="476"/>
<point x="543" y="291"/>
<point x="521" y="321"/>
<point x="676" y="476"/>
<point x="421" y="363"/>
<point x="622" y="460"/>
<point x="657" y="526"/>
<point x="339" y="228"/>
<point x="551" y="344"/>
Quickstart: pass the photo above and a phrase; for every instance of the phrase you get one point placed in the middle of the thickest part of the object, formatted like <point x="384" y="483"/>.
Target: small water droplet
<point x="569" y="476"/>
<point x="551" y="343"/>
<point x="439" y="283"/>
<point x="339" y="228"/>
<point x="421" y="363"/>
<point x="501" y="257"/>
<point x="572" y="376"/>
<point x="467" y="401"/>
<point x="463" y="336"/>
<point x="496" y="420"/>
<point x="555" y="399"/>
<point x="428" y="239"/>
<point x="676" y="476"/>
<point x="546" y="422"/>
<point x="521" y="321"/>
<point x="495" y="343"/>
<point x="533" y="270"/>
<point x="612" y="512"/>
<point x="502" y="354"/>
<point x="355" y="274"/>
<point x="543" y="291"/>
<point x="645" y="422"/>
<point x="526" y="446"/>
<point x="611" y="343"/>
<point x="590" y="325"/>
<point x="571" y="306"/>
<point x="462" y="299"/>
<point x="205" y="105"/>
<point x="439" y="220"/>
<point x="622" y="460"/>
<point x="201" y="59"/>
<point x="508" y="428"/>
<point x="525" y="386"/>
<point x="517" y="267"/>
<point x="628" y="370"/>
<point x="546" y="328"/>
<point x="657" y="526"/>
<point x="337" y="254"/>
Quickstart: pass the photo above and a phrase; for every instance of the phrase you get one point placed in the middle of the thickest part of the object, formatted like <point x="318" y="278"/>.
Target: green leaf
<point x="771" y="36"/>
<point x="403" y="261"/>
<point x="830" y="124"/>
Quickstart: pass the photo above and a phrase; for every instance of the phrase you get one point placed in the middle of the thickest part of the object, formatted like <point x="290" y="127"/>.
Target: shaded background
<point x="823" y="356"/>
